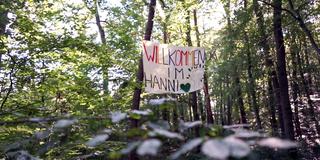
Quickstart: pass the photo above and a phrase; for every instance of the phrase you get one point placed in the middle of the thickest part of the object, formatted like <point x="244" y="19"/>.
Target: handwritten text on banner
<point x="172" y="69"/>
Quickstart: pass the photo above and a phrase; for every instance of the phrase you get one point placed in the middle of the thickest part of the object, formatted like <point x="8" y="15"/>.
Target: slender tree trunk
<point x="190" y="110"/>
<point x="252" y="84"/>
<point x="277" y="93"/>
<point x="282" y="73"/>
<point x="175" y="118"/>
<point x="3" y="20"/>
<point x="229" y="110"/>
<point x="104" y="43"/>
<point x="181" y="111"/>
<point x="220" y="110"/>
<point x="206" y="87"/>
<point x="201" y="108"/>
<point x="307" y="92"/>
<point x="228" y="103"/>
<point x="139" y="78"/>
<point x="3" y="23"/>
<point x="243" y="116"/>
<point x="165" y="111"/>
<point x="100" y="28"/>
<point x="207" y="101"/>
<point x="252" y="91"/>
<point x="297" y="16"/>
<point x="221" y="106"/>
<point x="272" y="109"/>
<point x="295" y="87"/>
<point x="11" y="74"/>
<point x="272" y="79"/>
<point x="193" y="95"/>
<point x="308" y="68"/>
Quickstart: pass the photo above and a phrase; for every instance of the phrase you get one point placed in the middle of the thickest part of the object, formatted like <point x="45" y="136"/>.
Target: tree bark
<point x="243" y="116"/>
<point x="193" y="95"/>
<point x="308" y="69"/>
<point x="252" y="91"/>
<point x="297" y="16"/>
<point x="11" y="74"/>
<point x="307" y="92"/>
<point x="264" y="44"/>
<point x="272" y="109"/>
<point x="165" y="111"/>
<point x="104" y="43"/>
<point x="221" y="105"/>
<point x="3" y="21"/>
<point x="282" y="73"/>
<point x="252" y="83"/>
<point x="139" y="76"/>
<point x="205" y="78"/>
<point x="207" y="101"/>
<point x="295" y="89"/>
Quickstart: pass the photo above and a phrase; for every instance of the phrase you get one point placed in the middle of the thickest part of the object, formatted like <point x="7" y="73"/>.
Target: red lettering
<point x="147" y="55"/>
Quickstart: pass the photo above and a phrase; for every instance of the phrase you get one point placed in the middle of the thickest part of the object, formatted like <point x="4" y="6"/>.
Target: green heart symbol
<point x="185" y="87"/>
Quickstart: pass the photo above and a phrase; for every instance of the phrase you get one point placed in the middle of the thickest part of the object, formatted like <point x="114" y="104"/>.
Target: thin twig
<point x="284" y="9"/>
<point x="11" y="84"/>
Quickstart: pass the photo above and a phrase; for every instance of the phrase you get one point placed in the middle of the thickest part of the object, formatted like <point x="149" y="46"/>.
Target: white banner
<point x="172" y="69"/>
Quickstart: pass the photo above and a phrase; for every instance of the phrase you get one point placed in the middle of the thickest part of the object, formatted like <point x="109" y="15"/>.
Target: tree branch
<point x="145" y="2"/>
<point x="296" y="15"/>
<point x="163" y="5"/>
<point x="11" y="84"/>
<point x="284" y="9"/>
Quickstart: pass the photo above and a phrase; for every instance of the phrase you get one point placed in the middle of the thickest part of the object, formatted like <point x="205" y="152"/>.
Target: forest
<point x="72" y="80"/>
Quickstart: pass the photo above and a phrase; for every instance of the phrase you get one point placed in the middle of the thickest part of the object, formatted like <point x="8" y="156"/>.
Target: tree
<point x="139" y="78"/>
<point x="282" y="73"/>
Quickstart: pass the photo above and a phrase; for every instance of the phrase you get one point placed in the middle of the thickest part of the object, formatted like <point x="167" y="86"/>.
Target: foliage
<point x="54" y="65"/>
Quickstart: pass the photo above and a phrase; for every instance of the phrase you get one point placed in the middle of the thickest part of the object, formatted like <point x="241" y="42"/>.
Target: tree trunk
<point x="207" y="101"/>
<point x="165" y="111"/>
<point x="243" y="116"/>
<point x="282" y="73"/>
<point x="272" y="79"/>
<point x="252" y="93"/>
<point x="272" y="109"/>
<point x="295" y="87"/>
<point x="104" y="43"/>
<point x="278" y="104"/>
<point x="193" y="95"/>
<point x="206" y="87"/>
<point x="252" y="83"/>
<point x="308" y="68"/>
<point x="3" y="21"/>
<point x="307" y="92"/>
<point x="229" y="103"/>
<point x="229" y="110"/>
<point x="139" y="78"/>
<point x="201" y="108"/>
<point x="221" y="105"/>
<point x="296" y="15"/>
<point x="175" y="118"/>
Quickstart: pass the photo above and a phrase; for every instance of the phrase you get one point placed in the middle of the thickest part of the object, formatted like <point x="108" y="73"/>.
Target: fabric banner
<point x="172" y="69"/>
